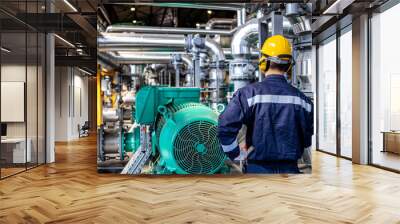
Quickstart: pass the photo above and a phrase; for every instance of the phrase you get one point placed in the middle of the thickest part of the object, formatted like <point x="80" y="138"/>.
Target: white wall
<point x="12" y="73"/>
<point x="71" y="102"/>
<point x="34" y="125"/>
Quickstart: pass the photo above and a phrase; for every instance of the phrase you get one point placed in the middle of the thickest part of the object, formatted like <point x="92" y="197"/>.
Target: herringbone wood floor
<point x="71" y="191"/>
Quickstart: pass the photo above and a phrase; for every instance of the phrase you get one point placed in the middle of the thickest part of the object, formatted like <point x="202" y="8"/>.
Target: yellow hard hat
<point x="276" y="49"/>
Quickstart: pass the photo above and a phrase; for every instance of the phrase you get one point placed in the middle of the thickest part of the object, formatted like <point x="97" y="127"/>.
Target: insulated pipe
<point x="140" y="40"/>
<point x="165" y="30"/>
<point x="240" y="46"/>
<point x="212" y="6"/>
<point x="189" y="76"/>
<point x="142" y="57"/>
<point x="241" y="16"/>
<point x="216" y="77"/>
<point x="127" y="48"/>
<point x="301" y="24"/>
<point x="187" y="60"/>
<point x="212" y="22"/>
<point x="145" y="58"/>
<point x="240" y="68"/>
<point x="158" y="50"/>
<point x="215" y="48"/>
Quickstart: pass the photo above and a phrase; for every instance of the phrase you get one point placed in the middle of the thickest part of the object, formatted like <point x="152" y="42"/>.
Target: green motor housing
<point x="185" y="131"/>
<point x="187" y="139"/>
<point x="132" y="140"/>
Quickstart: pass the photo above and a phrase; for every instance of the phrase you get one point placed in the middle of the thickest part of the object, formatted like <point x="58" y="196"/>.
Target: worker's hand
<point x="242" y="156"/>
<point x="243" y="146"/>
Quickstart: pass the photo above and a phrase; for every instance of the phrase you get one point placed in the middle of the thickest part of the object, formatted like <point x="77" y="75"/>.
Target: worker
<point x="278" y="117"/>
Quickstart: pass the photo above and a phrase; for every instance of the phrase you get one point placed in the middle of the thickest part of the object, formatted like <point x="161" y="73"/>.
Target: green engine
<point x="185" y="131"/>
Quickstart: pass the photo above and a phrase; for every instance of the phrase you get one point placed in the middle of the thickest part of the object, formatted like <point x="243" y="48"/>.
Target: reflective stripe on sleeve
<point x="228" y="148"/>
<point x="279" y="99"/>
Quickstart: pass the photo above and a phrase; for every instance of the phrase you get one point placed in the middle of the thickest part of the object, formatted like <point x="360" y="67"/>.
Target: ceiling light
<point x="65" y="41"/>
<point x="197" y="25"/>
<point x="71" y="6"/>
<point x="133" y="9"/>
<point x="338" y="6"/>
<point x="84" y="71"/>
<point x="209" y="12"/>
<point x="134" y="21"/>
<point x="5" y="50"/>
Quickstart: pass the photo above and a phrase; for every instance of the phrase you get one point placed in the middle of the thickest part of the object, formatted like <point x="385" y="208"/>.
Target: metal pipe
<point x="140" y="40"/>
<point x="160" y="50"/>
<point x="240" y="45"/>
<point x="216" y="76"/>
<point x="301" y="24"/>
<point x="189" y="75"/>
<point x="215" y="48"/>
<point x="165" y="30"/>
<point x="136" y="58"/>
<point x="144" y="58"/>
<point x="216" y="21"/>
<point x="212" y="6"/>
<point x="241" y="16"/>
<point x="167" y="50"/>
<point x="106" y="60"/>
<point x="187" y="60"/>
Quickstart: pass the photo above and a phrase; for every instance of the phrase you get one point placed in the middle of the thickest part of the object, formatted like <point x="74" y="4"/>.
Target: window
<point x="345" y="60"/>
<point x="385" y="89"/>
<point x="327" y="96"/>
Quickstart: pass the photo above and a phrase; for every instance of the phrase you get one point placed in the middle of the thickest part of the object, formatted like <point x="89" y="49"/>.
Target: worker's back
<point x="279" y="120"/>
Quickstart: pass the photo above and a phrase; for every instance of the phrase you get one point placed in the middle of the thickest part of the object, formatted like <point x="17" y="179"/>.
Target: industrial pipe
<point x="301" y="24"/>
<point x="165" y="30"/>
<point x="215" y="48"/>
<point x="140" y="40"/>
<point x="241" y="16"/>
<point x="189" y="76"/>
<point x="187" y="60"/>
<point x="216" y="21"/>
<point x="240" y="45"/>
<point x="160" y="50"/>
<point x="212" y="6"/>
<point x="216" y="74"/>
<point x="241" y="69"/>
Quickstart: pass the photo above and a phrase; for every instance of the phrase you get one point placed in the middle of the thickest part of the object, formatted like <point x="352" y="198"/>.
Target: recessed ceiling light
<point x="209" y="12"/>
<point x="71" y="6"/>
<point x="65" y="41"/>
<point x="134" y="21"/>
<point x="5" y="50"/>
<point x="84" y="71"/>
<point x="133" y="9"/>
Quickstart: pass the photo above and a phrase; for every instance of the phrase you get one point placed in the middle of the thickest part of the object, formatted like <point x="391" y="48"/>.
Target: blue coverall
<point x="279" y="120"/>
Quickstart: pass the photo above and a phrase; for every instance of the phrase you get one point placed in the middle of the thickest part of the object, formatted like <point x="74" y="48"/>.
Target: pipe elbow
<point x="215" y="48"/>
<point x="240" y="45"/>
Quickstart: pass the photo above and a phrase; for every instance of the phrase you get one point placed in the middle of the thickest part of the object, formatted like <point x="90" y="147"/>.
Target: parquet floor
<point x="71" y="191"/>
